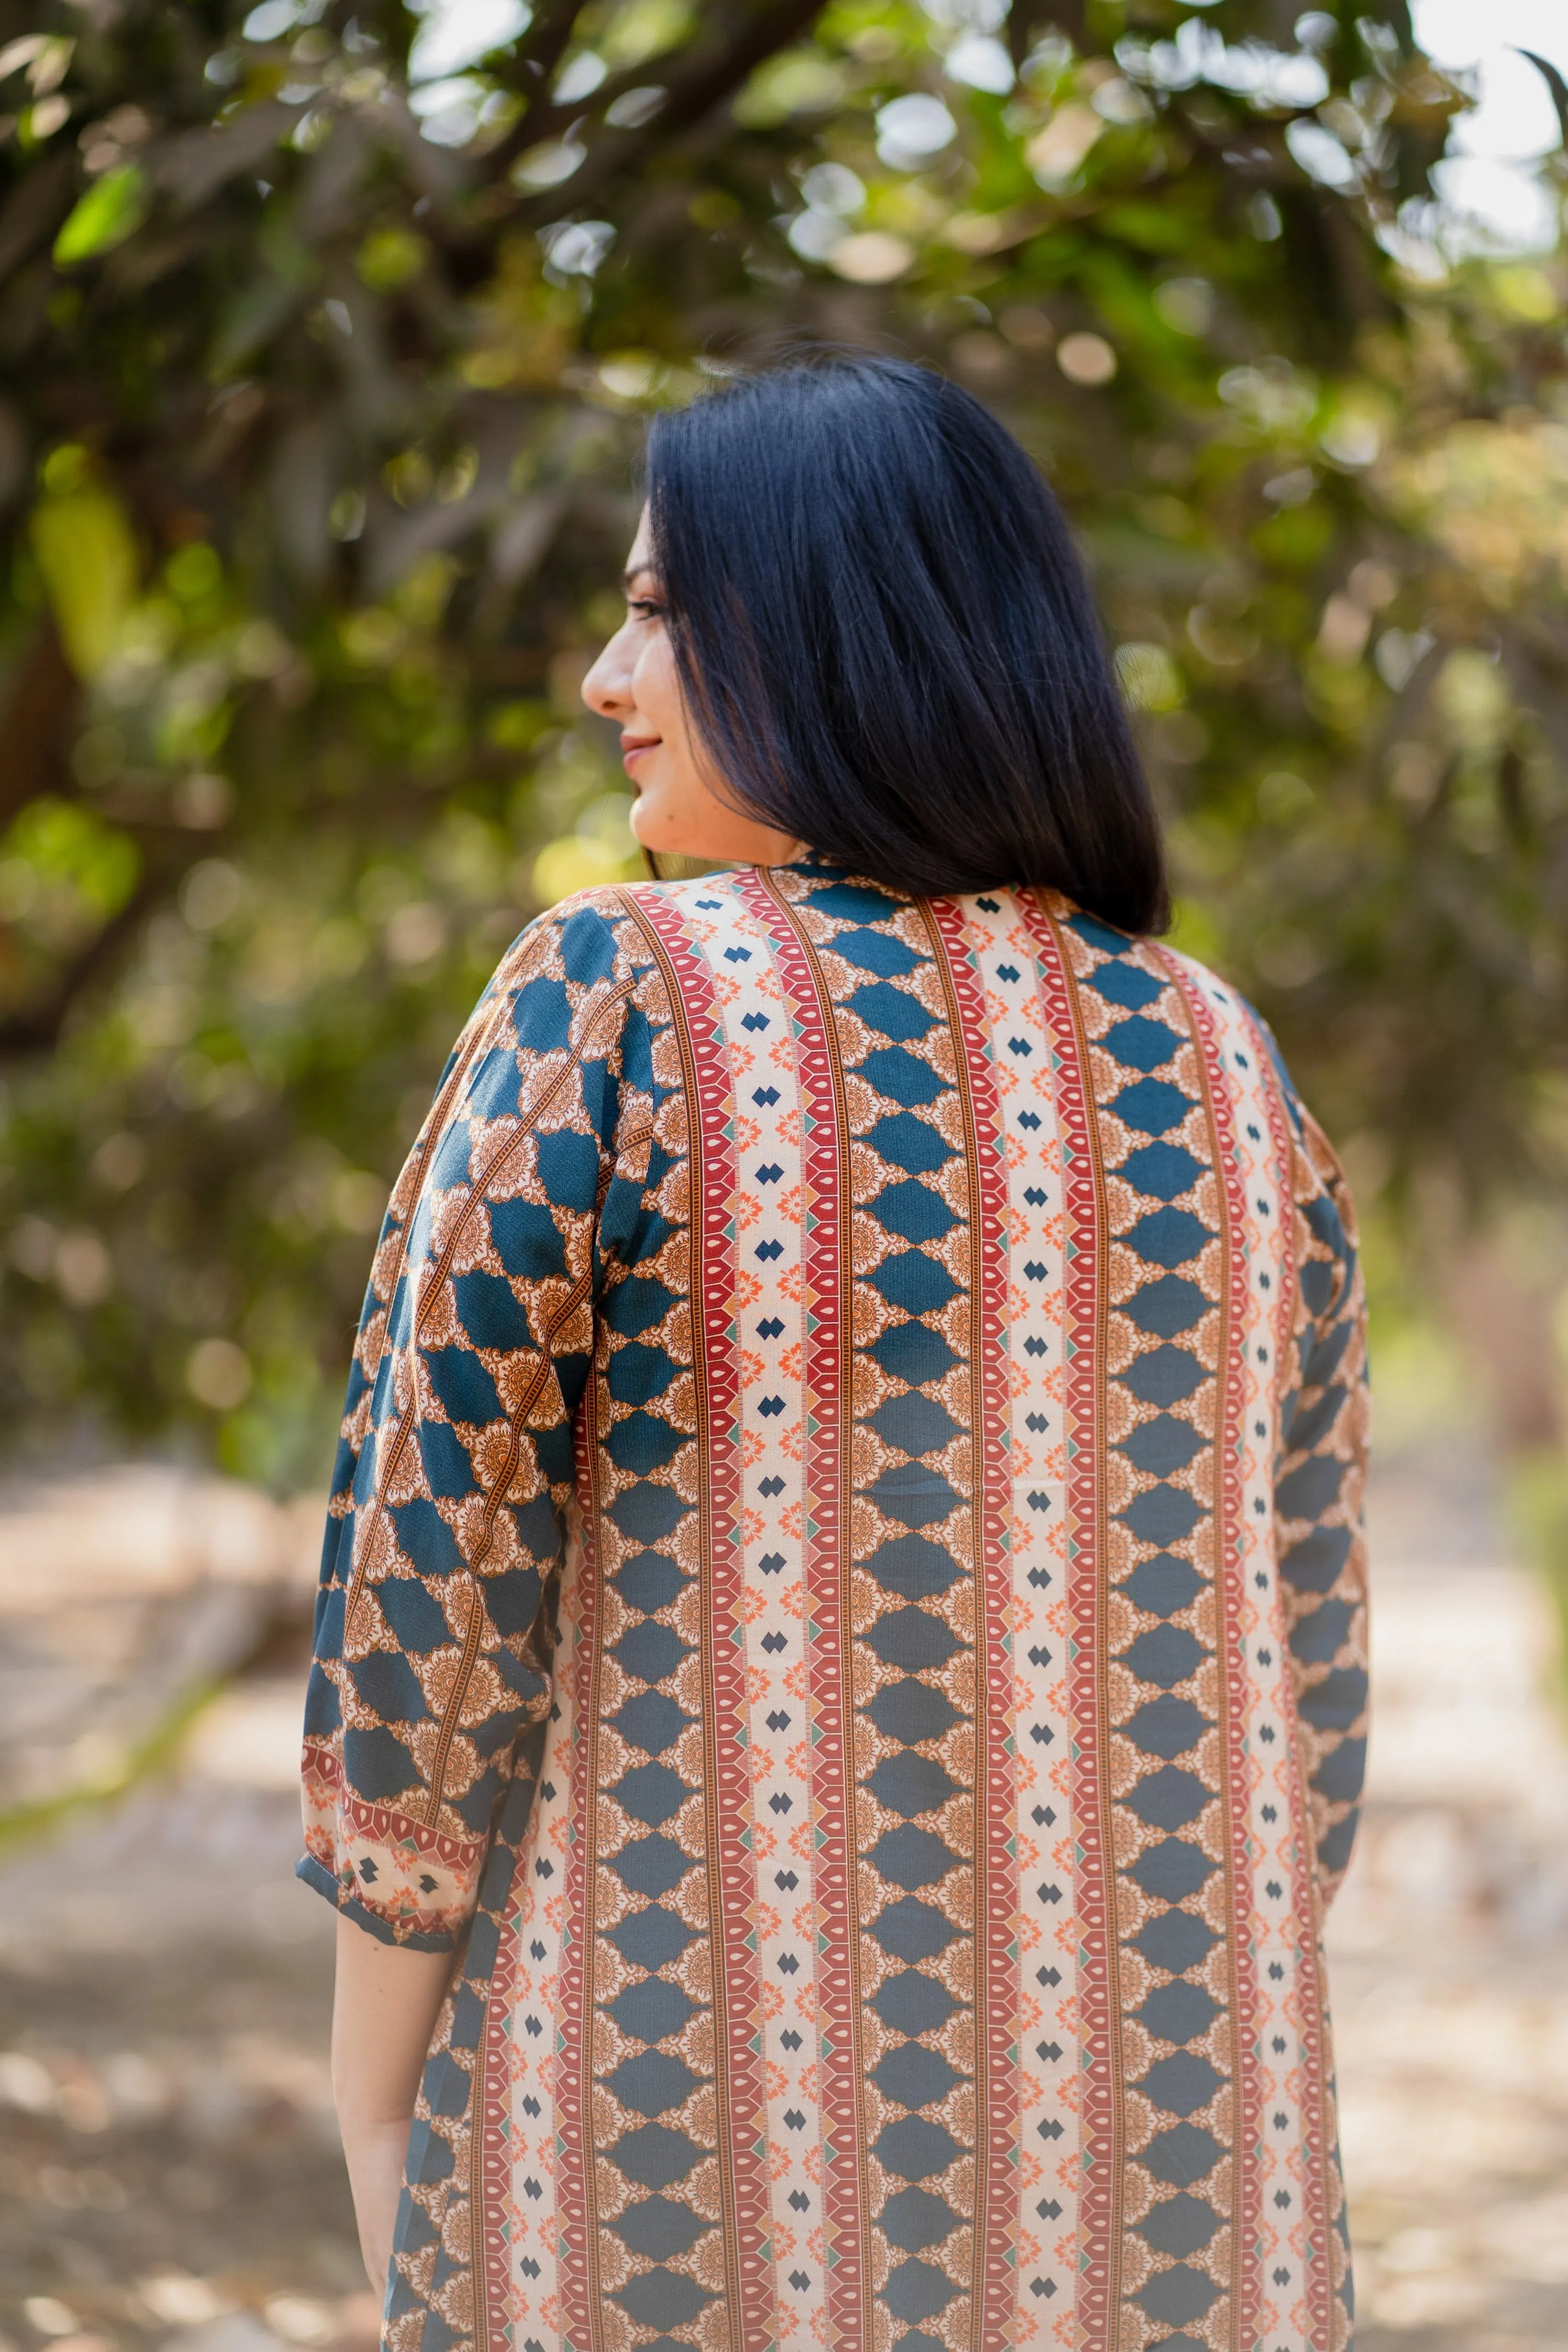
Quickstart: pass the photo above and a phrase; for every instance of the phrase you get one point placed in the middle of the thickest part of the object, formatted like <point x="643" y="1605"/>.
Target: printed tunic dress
<point x="843" y="1608"/>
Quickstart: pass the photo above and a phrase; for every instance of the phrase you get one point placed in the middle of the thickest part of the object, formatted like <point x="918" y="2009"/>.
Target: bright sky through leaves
<point x="1493" y="176"/>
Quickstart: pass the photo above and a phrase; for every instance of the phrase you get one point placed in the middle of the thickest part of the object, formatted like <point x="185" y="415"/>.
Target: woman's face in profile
<point x="635" y="682"/>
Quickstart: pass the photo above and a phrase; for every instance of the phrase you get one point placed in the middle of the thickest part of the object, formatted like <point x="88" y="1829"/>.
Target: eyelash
<point x="643" y="606"/>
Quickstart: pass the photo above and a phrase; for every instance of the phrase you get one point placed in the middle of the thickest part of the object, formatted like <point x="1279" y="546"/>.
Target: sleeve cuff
<point x="315" y="1874"/>
<point x="403" y="1880"/>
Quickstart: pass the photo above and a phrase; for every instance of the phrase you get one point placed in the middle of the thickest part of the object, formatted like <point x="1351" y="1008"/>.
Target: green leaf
<point x="86" y="551"/>
<point x="107" y="215"/>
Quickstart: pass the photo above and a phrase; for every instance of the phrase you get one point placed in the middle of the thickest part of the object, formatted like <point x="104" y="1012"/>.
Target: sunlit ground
<point x="169" y="2177"/>
<point x="1449" y="1945"/>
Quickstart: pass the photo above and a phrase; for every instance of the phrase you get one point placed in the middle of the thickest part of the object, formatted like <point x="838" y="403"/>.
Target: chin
<point x="649" y="834"/>
<point x="646" y="805"/>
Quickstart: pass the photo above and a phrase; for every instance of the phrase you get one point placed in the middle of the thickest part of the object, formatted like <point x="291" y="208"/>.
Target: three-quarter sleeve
<point x="446" y="1530"/>
<point x="1318" y="1499"/>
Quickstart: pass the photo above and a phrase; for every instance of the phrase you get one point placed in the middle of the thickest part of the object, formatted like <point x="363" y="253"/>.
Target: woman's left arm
<point x="447" y="1529"/>
<point x="384" y="2015"/>
<point x="434" y="1625"/>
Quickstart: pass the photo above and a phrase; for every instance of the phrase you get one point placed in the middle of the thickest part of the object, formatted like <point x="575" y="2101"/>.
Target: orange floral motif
<point x="842" y="1610"/>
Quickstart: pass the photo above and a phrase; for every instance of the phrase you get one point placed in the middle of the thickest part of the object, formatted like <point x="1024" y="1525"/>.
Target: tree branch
<point x="712" y="72"/>
<point x="37" y="1028"/>
<point x="39" y="725"/>
<point x="538" y="55"/>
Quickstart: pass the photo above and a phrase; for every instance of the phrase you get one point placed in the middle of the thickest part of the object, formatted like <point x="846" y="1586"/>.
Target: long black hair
<point x="885" y="639"/>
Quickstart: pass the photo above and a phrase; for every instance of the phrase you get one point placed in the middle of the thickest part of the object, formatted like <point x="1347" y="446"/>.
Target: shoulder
<point x="570" y="993"/>
<point x="1322" y="1194"/>
<point x="1244" y="1051"/>
<point x="1317" y="1182"/>
<point x="682" y="927"/>
<point x="614" y="933"/>
<point x="586" y="943"/>
<point x="690" y="901"/>
<point x="1242" y="1037"/>
<point x="584" y="964"/>
<point x="1220" y="994"/>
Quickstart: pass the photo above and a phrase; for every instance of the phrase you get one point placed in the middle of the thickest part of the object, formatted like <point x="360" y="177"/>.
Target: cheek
<point x="659" y="690"/>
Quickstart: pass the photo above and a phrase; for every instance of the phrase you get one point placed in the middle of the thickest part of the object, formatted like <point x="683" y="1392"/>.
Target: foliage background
<point x="326" y="340"/>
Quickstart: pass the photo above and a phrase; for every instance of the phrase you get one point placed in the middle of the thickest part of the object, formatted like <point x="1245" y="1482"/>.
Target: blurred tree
<point x="324" y="346"/>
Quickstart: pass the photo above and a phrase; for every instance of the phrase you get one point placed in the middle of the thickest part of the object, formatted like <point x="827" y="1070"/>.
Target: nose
<point x="606" y="690"/>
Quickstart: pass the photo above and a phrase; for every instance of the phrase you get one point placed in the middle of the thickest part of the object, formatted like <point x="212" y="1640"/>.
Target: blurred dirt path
<point x="169" y="2166"/>
<point x="1450" y="1944"/>
<point x="124" y="1596"/>
<point x="169" y="2173"/>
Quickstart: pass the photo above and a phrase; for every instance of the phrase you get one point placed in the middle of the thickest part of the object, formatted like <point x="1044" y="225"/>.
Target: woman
<point x="839" y="1680"/>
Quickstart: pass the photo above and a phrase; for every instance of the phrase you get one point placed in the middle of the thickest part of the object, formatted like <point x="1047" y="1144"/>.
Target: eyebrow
<point x="638" y="572"/>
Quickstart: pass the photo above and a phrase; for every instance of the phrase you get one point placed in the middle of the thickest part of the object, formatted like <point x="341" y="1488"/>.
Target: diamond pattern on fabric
<point x="842" y="1607"/>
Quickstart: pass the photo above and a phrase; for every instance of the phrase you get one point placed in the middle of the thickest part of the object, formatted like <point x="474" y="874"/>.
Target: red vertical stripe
<point x="737" y="1990"/>
<point x="1084" y="1278"/>
<point x="1285" y="1252"/>
<point x="576" y="2202"/>
<point x="490" y="2121"/>
<point x="1230" y="1557"/>
<point x="1317" y="2119"/>
<point x="996" y="1910"/>
<point x="826" y="1182"/>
